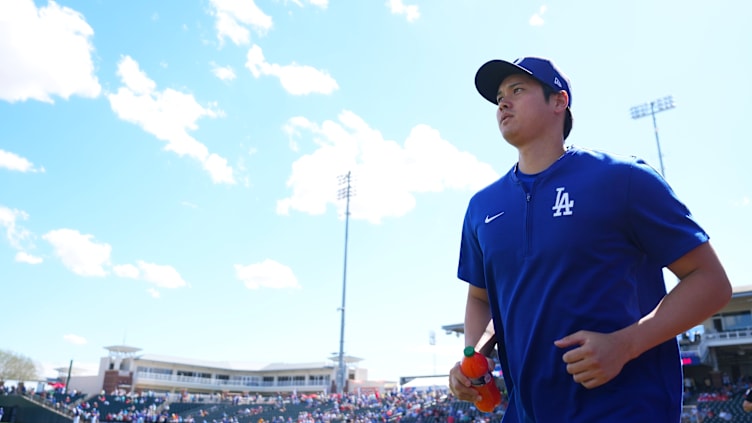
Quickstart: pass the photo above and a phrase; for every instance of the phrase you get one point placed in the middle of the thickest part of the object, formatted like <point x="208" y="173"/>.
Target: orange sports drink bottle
<point x="474" y="365"/>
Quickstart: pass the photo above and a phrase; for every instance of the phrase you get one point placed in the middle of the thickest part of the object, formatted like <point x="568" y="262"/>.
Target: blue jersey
<point x="582" y="250"/>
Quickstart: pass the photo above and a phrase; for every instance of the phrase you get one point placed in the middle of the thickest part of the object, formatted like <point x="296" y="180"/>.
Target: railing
<point x="733" y="335"/>
<point x="144" y="376"/>
<point x="58" y="408"/>
<point x="701" y="346"/>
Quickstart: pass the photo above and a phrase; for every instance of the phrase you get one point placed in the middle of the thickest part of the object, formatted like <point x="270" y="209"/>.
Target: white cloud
<point x="742" y="202"/>
<point x="387" y="174"/>
<point x="126" y="271"/>
<point x="225" y="73"/>
<point x="537" y="18"/>
<point x="15" y="162"/>
<point x="135" y="80"/>
<point x="233" y="18"/>
<point x="24" y="257"/>
<point x="267" y="274"/>
<point x="162" y="276"/>
<point x="295" y="79"/>
<point x="318" y="3"/>
<point x="168" y="115"/>
<point x="74" y="339"/>
<point x="14" y="232"/>
<point x="218" y="168"/>
<point x="45" y="52"/>
<point x="17" y="235"/>
<point x="397" y="7"/>
<point x="78" y="252"/>
<point x="188" y="204"/>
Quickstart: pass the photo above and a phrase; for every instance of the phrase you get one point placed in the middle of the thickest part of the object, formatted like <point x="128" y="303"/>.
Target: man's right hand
<point x="460" y="385"/>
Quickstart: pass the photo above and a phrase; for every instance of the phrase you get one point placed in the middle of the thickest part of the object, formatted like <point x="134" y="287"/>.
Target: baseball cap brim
<point x="492" y="74"/>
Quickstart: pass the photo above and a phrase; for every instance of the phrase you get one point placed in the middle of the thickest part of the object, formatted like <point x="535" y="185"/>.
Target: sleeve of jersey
<point x="661" y="223"/>
<point x="470" y="267"/>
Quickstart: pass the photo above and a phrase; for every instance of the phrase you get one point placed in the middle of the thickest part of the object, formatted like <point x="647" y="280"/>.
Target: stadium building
<point x="126" y="370"/>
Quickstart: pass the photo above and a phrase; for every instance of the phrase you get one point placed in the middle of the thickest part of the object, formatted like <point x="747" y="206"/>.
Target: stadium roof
<point x="75" y="371"/>
<point x="297" y="366"/>
<point x="742" y="290"/>
<point x="346" y="358"/>
<point x="122" y="349"/>
<point x="428" y="382"/>
<point x="233" y="365"/>
<point x="201" y="363"/>
<point x="456" y="328"/>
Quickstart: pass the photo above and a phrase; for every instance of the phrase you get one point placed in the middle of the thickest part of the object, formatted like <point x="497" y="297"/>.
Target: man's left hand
<point x="596" y="357"/>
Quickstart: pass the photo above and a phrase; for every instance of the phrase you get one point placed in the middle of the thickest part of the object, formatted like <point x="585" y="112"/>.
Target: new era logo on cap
<point x="557" y="82"/>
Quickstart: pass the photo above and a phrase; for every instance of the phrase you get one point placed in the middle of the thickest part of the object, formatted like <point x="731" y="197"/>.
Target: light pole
<point x="67" y="379"/>
<point x="655" y="106"/>
<point x="345" y="192"/>
<point x="432" y="342"/>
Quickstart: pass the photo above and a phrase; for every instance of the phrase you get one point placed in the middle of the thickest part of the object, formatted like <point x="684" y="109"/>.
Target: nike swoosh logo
<point x="489" y="219"/>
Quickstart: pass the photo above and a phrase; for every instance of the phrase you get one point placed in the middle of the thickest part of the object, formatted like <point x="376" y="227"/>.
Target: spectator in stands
<point x="566" y="253"/>
<point x="747" y="403"/>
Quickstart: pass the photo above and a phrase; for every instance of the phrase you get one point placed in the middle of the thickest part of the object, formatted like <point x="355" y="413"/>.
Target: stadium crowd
<point x="413" y="406"/>
<point x="434" y="405"/>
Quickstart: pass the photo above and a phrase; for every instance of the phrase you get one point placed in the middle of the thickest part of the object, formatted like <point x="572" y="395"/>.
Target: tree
<point x="15" y="366"/>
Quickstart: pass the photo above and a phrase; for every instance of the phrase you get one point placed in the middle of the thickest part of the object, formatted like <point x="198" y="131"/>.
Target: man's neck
<point x="536" y="157"/>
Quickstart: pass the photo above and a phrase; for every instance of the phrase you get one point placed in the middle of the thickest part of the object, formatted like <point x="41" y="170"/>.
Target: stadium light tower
<point x="655" y="106"/>
<point x="432" y="342"/>
<point x="345" y="192"/>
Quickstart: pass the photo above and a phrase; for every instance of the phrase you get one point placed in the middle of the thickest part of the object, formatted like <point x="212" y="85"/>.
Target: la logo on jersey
<point x="562" y="203"/>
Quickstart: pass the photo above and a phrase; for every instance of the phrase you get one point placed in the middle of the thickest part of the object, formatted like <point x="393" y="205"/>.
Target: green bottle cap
<point x="469" y="351"/>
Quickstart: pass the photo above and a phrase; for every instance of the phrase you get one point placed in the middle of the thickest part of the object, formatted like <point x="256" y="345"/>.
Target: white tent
<point x="426" y="383"/>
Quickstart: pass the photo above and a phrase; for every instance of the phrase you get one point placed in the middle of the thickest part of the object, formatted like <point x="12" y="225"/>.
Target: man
<point x="747" y="403"/>
<point x="565" y="252"/>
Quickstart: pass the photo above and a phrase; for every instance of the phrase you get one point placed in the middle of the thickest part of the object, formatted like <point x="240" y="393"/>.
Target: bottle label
<point x="480" y="381"/>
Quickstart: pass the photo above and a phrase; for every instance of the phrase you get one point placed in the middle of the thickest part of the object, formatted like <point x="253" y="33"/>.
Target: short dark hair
<point x="548" y="91"/>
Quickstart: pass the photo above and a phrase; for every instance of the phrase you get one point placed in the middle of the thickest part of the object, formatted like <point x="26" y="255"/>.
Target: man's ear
<point x="562" y="100"/>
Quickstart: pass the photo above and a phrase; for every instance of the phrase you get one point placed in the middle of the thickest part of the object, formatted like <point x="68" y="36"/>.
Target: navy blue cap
<point x="491" y="74"/>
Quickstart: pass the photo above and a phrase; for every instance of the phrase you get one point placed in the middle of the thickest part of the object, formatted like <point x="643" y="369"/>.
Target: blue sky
<point x="168" y="170"/>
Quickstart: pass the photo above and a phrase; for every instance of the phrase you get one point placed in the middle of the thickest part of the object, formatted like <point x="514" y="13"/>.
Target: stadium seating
<point x="725" y="410"/>
<point x="717" y="407"/>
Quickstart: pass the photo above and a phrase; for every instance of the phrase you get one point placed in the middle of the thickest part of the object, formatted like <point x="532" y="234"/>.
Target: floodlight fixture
<point x="650" y="109"/>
